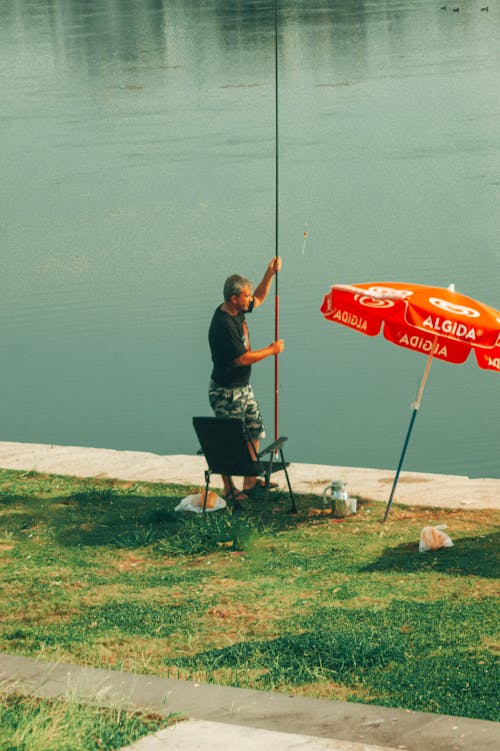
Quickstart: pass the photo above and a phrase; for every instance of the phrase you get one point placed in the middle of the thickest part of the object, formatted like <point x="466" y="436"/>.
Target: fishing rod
<point x="276" y="227"/>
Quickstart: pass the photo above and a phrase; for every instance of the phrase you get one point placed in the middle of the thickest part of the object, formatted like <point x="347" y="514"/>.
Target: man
<point x="230" y="393"/>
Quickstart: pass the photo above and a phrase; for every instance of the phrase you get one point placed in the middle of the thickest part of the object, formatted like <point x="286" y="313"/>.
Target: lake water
<point x="138" y="156"/>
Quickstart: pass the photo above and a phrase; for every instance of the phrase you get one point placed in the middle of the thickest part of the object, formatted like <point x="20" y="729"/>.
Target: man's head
<point x="238" y="292"/>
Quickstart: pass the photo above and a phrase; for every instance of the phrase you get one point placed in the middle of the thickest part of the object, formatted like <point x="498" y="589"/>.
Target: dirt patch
<point x="330" y="690"/>
<point x="403" y="480"/>
<point x="130" y="562"/>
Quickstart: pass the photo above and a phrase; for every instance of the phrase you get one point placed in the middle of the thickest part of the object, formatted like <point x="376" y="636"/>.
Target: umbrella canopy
<point x="435" y="321"/>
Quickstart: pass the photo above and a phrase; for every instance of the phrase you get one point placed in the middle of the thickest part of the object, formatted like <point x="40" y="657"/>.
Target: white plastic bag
<point x="433" y="538"/>
<point x="195" y="503"/>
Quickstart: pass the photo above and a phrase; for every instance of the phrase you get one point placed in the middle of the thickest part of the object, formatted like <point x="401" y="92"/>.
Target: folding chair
<point x="225" y="443"/>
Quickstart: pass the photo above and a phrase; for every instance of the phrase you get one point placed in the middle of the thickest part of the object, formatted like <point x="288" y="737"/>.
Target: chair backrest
<point x="224" y="442"/>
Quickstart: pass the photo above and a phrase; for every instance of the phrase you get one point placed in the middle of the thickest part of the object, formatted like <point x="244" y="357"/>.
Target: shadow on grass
<point x="112" y="517"/>
<point x="469" y="556"/>
<point x="90" y="517"/>
<point x="414" y="655"/>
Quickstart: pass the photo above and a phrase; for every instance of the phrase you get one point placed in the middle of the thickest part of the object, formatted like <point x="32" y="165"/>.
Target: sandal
<point x="259" y="486"/>
<point x="239" y="495"/>
<point x="246" y="493"/>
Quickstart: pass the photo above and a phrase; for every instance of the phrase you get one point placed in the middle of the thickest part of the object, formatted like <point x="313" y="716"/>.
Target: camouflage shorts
<point x="237" y="402"/>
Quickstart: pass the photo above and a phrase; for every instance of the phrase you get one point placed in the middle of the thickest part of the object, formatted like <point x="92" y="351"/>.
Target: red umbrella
<point x="438" y="322"/>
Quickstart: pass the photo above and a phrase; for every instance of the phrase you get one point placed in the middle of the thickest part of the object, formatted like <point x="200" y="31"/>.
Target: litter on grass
<point x="433" y="538"/>
<point x="195" y="503"/>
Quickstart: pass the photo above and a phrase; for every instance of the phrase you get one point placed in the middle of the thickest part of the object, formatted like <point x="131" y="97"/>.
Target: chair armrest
<point x="274" y="446"/>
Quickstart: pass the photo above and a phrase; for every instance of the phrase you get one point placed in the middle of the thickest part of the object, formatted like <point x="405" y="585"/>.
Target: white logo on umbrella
<point x="382" y="297"/>
<point x="451" y="307"/>
<point x="371" y="302"/>
<point x="390" y="292"/>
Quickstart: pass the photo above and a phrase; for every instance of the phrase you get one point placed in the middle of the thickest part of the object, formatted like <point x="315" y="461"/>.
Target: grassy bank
<point x="107" y="574"/>
<point x="28" y="724"/>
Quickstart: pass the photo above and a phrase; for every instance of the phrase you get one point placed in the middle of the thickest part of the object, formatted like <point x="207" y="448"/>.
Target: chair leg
<point x="268" y="476"/>
<point x="207" y="482"/>
<point x="293" y="509"/>
<point x="236" y="503"/>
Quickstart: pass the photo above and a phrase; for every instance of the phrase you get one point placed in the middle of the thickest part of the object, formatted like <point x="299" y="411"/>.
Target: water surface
<point x="138" y="159"/>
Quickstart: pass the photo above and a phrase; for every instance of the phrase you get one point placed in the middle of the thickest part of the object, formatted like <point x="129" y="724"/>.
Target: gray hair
<point x="234" y="285"/>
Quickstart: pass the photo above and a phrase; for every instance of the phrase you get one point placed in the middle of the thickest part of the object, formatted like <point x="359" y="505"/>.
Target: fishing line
<point x="306" y="235"/>
<point x="276" y="215"/>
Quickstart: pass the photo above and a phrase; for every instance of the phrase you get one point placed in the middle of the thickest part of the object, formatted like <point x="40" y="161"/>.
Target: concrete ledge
<point x="452" y="491"/>
<point x="341" y="721"/>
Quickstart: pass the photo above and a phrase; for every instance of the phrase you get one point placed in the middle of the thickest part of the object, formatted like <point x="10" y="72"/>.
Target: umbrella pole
<point x="415" y="408"/>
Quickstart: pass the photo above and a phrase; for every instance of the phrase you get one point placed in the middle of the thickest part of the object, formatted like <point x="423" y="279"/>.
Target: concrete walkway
<point x="414" y="488"/>
<point x="223" y="717"/>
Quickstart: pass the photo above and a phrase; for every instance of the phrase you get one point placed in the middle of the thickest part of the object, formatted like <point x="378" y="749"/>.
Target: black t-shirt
<point x="228" y="339"/>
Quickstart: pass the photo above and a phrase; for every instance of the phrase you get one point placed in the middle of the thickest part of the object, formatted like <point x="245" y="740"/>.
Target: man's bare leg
<point x="250" y="482"/>
<point x="229" y="487"/>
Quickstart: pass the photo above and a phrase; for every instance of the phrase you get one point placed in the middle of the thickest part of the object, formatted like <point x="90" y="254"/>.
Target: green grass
<point x="29" y="724"/>
<point x="107" y="574"/>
